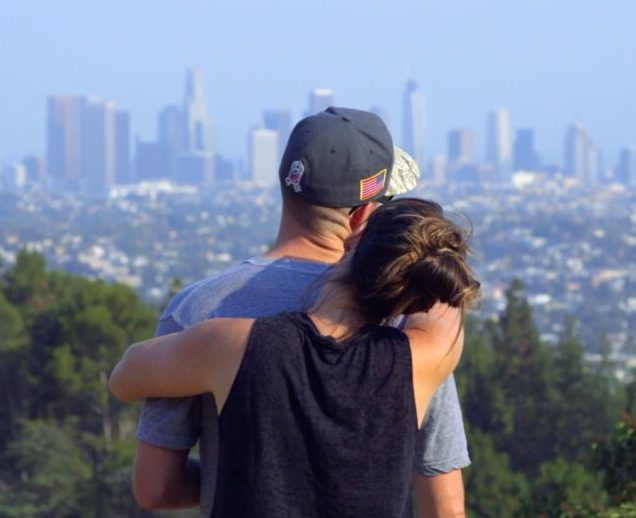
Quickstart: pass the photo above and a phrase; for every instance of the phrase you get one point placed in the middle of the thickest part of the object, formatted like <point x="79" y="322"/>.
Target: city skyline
<point x="537" y="60"/>
<point x="89" y="146"/>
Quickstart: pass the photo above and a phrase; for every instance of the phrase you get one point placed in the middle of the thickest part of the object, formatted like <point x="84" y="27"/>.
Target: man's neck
<point x="293" y="241"/>
<point x="306" y="249"/>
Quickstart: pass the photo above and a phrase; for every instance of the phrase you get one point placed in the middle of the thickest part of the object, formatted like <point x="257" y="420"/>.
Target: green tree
<point x="44" y="473"/>
<point x="493" y="490"/>
<point x="25" y="283"/>
<point x="615" y="457"/>
<point x="586" y="404"/>
<point x="564" y="489"/>
<point x="525" y="374"/>
<point x="12" y="355"/>
<point x="59" y="337"/>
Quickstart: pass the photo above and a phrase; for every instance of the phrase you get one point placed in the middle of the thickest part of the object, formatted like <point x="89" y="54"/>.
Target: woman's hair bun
<point x="409" y="257"/>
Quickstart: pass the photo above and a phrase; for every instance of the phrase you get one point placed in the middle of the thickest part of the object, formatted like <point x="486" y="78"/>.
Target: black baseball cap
<point x="343" y="157"/>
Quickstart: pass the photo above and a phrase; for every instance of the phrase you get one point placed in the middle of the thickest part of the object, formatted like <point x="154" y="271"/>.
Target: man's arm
<point x="441" y="453"/>
<point x="440" y="496"/>
<point x="165" y="479"/>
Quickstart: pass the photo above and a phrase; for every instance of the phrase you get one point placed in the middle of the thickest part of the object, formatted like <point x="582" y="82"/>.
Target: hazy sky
<point x="548" y="61"/>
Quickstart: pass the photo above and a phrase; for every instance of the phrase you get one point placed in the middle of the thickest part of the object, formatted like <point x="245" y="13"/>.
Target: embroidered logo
<point x="295" y="174"/>
<point x="371" y="186"/>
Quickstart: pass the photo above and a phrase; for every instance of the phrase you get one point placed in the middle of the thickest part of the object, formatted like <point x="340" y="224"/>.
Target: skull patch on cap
<point x="295" y="174"/>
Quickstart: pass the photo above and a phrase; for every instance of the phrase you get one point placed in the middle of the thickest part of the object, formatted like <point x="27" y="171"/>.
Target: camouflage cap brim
<point x="405" y="173"/>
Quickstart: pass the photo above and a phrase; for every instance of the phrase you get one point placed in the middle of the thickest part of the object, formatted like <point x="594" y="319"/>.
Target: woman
<point x="319" y="411"/>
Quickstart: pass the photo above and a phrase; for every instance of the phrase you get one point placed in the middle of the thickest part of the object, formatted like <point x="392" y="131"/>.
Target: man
<point x="337" y="165"/>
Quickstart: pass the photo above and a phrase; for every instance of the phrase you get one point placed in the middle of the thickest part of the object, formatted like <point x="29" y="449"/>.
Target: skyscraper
<point x="498" y="146"/>
<point x="525" y="156"/>
<point x="279" y="121"/>
<point x="582" y="158"/>
<point x="414" y="123"/>
<point x="195" y="161"/>
<point x="263" y="152"/>
<point x="36" y="172"/>
<point x="461" y="147"/>
<point x="87" y="144"/>
<point x="320" y="99"/>
<point x="63" y="141"/>
<point x="575" y="151"/>
<point x="98" y="146"/>
<point x="197" y="131"/>
<point x="122" y="147"/>
<point x="626" y="169"/>
<point x="169" y="138"/>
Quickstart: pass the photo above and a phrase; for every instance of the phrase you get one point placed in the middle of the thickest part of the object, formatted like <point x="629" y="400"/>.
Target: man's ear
<point x="357" y="222"/>
<point x="358" y="218"/>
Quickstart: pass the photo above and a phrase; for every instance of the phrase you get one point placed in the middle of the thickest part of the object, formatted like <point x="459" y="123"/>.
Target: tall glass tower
<point x="498" y="142"/>
<point x="414" y="123"/>
<point x="197" y="129"/>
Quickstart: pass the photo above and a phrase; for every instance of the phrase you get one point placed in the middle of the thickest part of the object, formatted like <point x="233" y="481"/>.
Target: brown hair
<point x="409" y="257"/>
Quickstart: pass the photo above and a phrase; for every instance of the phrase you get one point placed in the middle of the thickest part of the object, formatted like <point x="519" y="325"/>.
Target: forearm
<point x="439" y="496"/>
<point x="165" y="479"/>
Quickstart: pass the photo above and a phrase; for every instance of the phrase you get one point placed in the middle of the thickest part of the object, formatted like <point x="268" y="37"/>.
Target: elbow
<point x="119" y="388"/>
<point x="149" y="498"/>
<point x="150" y="492"/>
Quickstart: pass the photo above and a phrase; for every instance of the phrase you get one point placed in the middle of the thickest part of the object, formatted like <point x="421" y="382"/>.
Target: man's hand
<point x="164" y="478"/>
<point x="441" y="496"/>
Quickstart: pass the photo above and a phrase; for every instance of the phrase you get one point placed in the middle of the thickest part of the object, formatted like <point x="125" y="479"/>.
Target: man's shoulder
<point x="242" y="290"/>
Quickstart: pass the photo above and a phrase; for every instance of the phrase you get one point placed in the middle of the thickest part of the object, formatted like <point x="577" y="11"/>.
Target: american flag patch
<point x="371" y="186"/>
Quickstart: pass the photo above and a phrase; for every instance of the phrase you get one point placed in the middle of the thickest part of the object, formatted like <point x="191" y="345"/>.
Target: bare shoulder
<point x="436" y="340"/>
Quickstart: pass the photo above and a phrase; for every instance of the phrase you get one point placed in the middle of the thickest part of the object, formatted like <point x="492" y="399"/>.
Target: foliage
<point x="66" y="440"/>
<point x="45" y="472"/>
<point x="615" y="457"/>
<point x="533" y="411"/>
<point x="494" y="490"/>
<point x="566" y="489"/>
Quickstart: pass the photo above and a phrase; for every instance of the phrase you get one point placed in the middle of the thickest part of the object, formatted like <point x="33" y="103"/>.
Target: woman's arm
<point x="204" y="358"/>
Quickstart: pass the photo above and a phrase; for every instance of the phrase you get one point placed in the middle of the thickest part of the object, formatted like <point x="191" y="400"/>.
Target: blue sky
<point x="549" y="62"/>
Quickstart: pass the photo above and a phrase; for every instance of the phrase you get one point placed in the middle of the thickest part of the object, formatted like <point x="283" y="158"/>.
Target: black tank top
<point x="313" y="427"/>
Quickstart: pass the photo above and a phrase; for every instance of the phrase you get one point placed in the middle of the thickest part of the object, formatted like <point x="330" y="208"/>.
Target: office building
<point x="197" y="130"/>
<point x="35" y="170"/>
<point x="169" y="138"/>
<point x="461" y="147"/>
<point x="263" y="155"/>
<point x="575" y="151"/>
<point x="525" y="156"/>
<point x="414" y="123"/>
<point x="151" y="161"/>
<point x="320" y="99"/>
<point x="196" y="168"/>
<point x="63" y="141"/>
<point x="98" y="146"/>
<point x="437" y="169"/>
<point x="279" y="121"/>
<point x="195" y="158"/>
<point x="123" y="172"/>
<point x="498" y="145"/>
<point x="13" y="177"/>
<point x="626" y="168"/>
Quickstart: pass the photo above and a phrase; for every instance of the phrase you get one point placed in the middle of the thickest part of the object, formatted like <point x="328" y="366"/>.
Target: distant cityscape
<point x="573" y="248"/>
<point x="150" y="211"/>
<point x="89" y="149"/>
